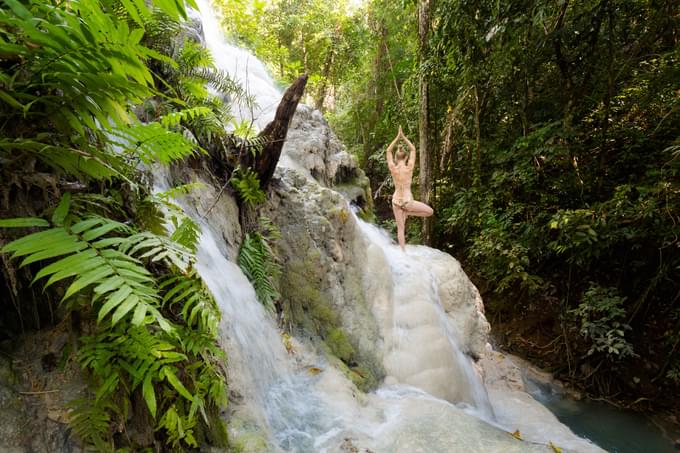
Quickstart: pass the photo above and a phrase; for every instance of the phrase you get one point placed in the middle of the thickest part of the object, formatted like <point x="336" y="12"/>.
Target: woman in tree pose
<point x="403" y="203"/>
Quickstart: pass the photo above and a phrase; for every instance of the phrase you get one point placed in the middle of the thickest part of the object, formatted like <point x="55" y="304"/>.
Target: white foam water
<point x="243" y="67"/>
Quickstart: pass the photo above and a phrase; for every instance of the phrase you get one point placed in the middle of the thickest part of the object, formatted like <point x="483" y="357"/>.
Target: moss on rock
<point x="306" y="306"/>
<point x="339" y="345"/>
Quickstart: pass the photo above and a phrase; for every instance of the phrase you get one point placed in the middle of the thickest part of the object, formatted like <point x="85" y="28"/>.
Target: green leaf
<point x="176" y="383"/>
<point x="139" y="315"/>
<point x="61" y="211"/>
<point x="23" y="222"/>
<point x="149" y="394"/>
<point x="117" y="297"/>
<point x="125" y="308"/>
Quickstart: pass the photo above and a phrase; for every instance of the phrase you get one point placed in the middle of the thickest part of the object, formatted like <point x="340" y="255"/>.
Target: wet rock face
<point x="33" y="395"/>
<point x="334" y="284"/>
<point x="321" y="252"/>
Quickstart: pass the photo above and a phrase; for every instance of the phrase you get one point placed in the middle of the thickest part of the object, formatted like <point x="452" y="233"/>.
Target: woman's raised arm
<point x="390" y="157"/>
<point x="412" y="154"/>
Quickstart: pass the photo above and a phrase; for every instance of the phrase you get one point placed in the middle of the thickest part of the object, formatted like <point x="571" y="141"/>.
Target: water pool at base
<point x="614" y="430"/>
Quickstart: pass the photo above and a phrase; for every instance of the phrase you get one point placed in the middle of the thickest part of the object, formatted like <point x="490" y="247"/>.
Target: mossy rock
<point x="307" y="306"/>
<point x="215" y="433"/>
<point x="360" y="375"/>
<point x="247" y="437"/>
<point x="363" y="378"/>
<point x="340" y="346"/>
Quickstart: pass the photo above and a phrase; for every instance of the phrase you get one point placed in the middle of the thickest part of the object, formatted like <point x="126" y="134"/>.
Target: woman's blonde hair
<point x="401" y="154"/>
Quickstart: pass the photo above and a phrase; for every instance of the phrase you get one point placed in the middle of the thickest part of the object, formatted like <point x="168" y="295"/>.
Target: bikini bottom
<point x="401" y="204"/>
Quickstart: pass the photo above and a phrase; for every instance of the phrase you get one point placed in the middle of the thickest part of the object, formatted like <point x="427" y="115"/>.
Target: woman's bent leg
<point x="418" y="209"/>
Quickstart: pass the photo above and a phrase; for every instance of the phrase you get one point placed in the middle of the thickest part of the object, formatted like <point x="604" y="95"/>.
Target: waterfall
<point x="293" y="412"/>
<point x="301" y="403"/>
<point x="423" y="346"/>
<point x="243" y="67"/>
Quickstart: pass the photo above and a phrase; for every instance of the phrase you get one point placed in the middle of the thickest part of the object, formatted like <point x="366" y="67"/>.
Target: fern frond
<point x="221" y="81"/>
<point x="23" y="222"/>
<point x="147" y="245"/>
<point x="173" y="119"/>
<point x="83" y="162"/>
<point x="121" y="281"/>
<point x="153" y="142"/>
<point x="178" y="191"/>
<point x="177" y="426"/>
<point x="193" y="55"/>
<point x="91" y="421"/>
<point x="247" y="185"/>
<point x="86" y="203"/>
<point x="198" y="308"/>
<point x="258" y="264"/>
<point x="247" y="131"/>
<point x="187" y="232"/>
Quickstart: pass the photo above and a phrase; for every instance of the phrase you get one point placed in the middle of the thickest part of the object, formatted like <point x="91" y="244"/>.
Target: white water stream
<point x="305" y="405"/>
<point x="418" y="319"/>
<point x="243" y="67"/>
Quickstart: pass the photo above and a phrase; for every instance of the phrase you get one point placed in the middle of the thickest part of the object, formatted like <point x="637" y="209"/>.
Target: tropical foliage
<point x="314" y="37"/>
<point x="75" y="79"/>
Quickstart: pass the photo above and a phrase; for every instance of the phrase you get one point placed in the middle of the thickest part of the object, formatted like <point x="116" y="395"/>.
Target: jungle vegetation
<point x="553" y="139"/>
<point x="551" y="129"/>
<point x="94" y="95"/>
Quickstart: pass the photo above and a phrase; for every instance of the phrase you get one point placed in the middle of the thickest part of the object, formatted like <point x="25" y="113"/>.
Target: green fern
<point x="91" y="421"/>
<point x="137" y="346"/>
<point x="152" y="142"/>
<point x="123" y="284"/>
<point x="198" y="308"/>
<point x="86" y="162"/>
<point x="173" y="119"/>
<point x="247" y="185"/>
<point x="258" y="262"/>
<point x="185" y="231"/>
<point x="181" y="427"/>
<point x="71" y="74"/>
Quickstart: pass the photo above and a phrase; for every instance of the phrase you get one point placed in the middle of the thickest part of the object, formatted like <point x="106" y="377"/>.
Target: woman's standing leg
<point x="400" y="217"/>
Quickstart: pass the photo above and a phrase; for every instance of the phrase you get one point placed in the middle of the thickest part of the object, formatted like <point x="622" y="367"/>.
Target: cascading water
<point x="294" y="414"/>
<point x="419" y="319"/>
<point x="305" y="405"/>
<point x="243" y="67"/>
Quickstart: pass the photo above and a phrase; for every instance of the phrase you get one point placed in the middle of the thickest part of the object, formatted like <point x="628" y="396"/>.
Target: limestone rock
<point x="460" y="299"/>
<point x="312" y="149"/>
<point x="207" y="201"/>
<point x="321" y="252"/>
<point x="516" y="409"/>
<point x="336" y="276"/>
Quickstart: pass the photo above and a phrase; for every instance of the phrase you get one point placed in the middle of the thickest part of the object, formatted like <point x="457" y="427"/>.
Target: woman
<point x="403" y="203"/>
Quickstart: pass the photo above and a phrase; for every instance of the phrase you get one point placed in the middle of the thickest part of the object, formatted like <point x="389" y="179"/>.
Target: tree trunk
<point x="264" y="162"/>
<point x="478" y="141"/>
<point x="325" y="75"/>
<point x="423" y="116"/>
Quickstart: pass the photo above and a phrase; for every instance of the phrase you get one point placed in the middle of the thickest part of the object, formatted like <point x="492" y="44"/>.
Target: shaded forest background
<point x="553" y="151"/>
